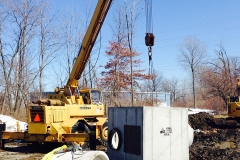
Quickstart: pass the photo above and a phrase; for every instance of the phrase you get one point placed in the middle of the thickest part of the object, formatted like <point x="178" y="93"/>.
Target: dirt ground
<point x="27" y="151"/>
<point x="211" y="141"/>
<point x="22" y="151"/>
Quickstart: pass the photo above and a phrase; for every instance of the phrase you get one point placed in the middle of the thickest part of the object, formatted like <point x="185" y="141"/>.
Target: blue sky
<point x="210" y="21"/>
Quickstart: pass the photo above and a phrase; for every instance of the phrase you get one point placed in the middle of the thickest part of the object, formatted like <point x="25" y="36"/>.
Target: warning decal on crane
<point x="37" y="118"/>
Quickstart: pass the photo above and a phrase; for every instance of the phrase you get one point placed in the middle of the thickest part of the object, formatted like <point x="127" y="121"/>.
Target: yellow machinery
<point x="232" y="120"/>
<point x="234" y="103"/>
<point x="69" y="113"/>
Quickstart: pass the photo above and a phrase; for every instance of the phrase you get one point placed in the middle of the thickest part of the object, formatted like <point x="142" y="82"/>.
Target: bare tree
<point x="4" y="67"/>
<point x="182" y="95"/>
<point x="219" y="76"/>
<point x="154" y="84"/>
<point x="192" y="54"/>
<point x="68" y="45"/>
<point x="16" y="54"/>
<point x="235" y="66"/>
<point x="171" y="86"/>
<point x="49" y="41"/>
<point x="131" y="18"/>
<point x="74" y="29"/>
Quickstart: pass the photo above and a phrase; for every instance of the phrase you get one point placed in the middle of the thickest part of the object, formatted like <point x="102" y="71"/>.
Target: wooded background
<point x="38" y="47"/>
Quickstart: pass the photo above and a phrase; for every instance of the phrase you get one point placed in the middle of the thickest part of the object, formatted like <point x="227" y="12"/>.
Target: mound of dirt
<point x="212" y="143"/>
<point x="202" y="121"/>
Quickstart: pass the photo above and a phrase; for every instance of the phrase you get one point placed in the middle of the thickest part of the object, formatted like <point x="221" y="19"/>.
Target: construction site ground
<point x="210" y="143"/>
<point x="28" y="151"/>
<point x="22" y="151"/>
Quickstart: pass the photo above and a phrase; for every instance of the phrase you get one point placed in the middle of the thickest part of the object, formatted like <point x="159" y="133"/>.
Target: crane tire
<point x="84" y="127"/>
<point x="104" y="134"/>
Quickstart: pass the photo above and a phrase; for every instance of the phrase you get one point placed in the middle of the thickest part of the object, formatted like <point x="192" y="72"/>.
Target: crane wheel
<point x="81" y="128"/>
<point x="104" y="134"/>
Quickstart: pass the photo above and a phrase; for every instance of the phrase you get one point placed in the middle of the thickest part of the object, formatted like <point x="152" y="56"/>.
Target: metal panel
<point x="58" y="128"/>
<point x="132" y="139"/>
<point x="58" y="115"/>
<point x="116" y="119"/>
<point x="37" y="128"/>
<point x="80" y="137"/>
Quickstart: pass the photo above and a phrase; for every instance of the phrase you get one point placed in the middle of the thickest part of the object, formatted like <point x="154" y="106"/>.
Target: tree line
<point x="38" y="46"/>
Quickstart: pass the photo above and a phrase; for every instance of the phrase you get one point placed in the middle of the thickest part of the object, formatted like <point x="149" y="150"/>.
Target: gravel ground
<point x="20" y="151"/>
<point x="27" y="151"/>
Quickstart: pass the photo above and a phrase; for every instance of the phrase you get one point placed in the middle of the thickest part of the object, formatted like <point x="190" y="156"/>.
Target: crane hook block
<point x="149" y="39"/>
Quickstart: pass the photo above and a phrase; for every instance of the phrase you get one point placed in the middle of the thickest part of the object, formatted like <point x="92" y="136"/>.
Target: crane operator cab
<point x="92" y="97"/>
<point x="86" y="98"/>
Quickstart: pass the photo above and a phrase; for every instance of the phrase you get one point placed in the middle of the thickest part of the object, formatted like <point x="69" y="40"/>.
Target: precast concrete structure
<point x="148" y="133"/>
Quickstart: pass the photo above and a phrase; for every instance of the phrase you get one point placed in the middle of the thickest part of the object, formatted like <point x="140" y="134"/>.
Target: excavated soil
<point x="211" y="142"/>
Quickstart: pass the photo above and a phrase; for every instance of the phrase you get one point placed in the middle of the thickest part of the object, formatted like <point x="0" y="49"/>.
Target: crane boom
<point x="88" y="42"/>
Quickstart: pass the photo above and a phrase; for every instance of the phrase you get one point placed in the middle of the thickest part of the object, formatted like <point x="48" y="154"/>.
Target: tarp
<point x="11" y="123"/>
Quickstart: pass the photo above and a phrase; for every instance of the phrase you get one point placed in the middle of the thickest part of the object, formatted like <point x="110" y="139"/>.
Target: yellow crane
<point x="67" y="115"/>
